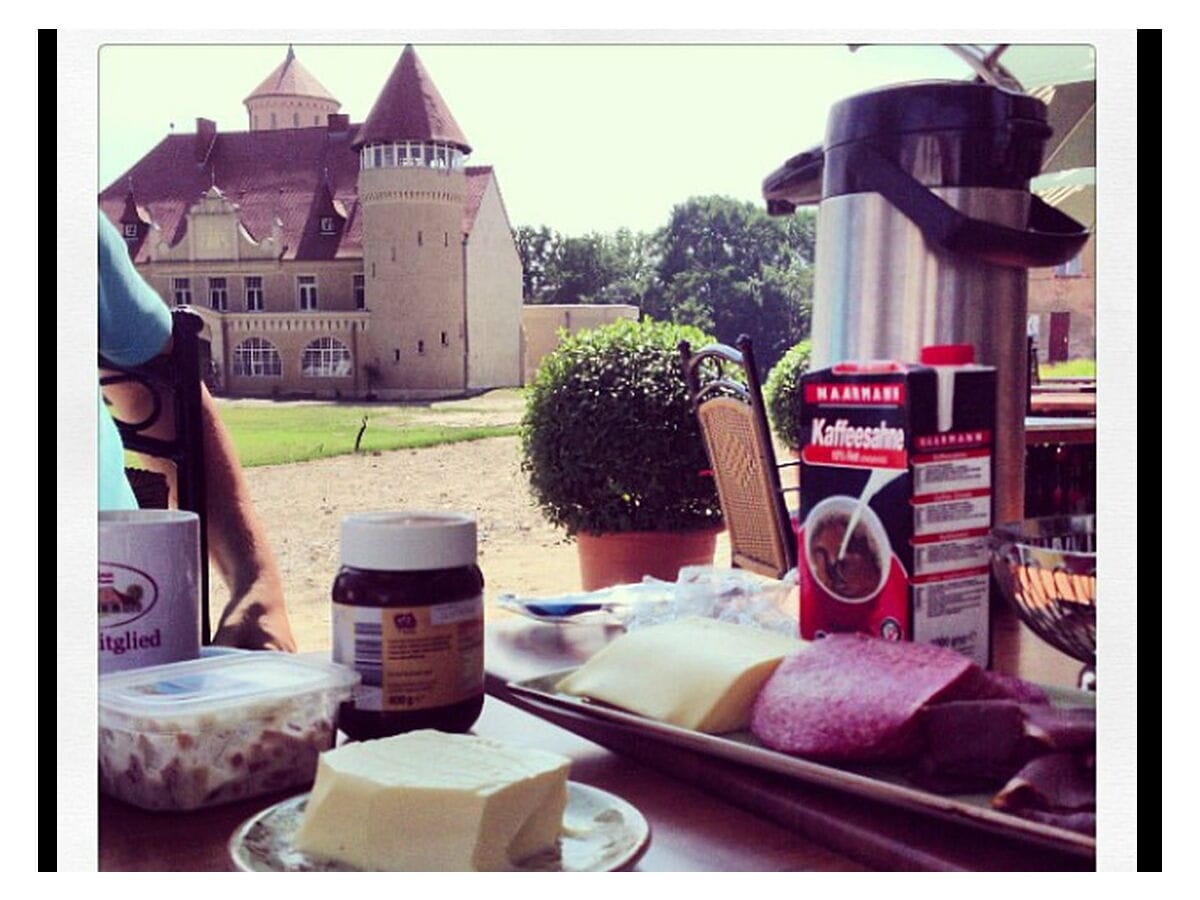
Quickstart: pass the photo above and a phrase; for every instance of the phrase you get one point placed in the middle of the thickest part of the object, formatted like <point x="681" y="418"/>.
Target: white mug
<point x="149" y="587"/>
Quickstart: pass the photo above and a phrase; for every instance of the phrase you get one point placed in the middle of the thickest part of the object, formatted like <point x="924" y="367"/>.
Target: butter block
<point x="427" y="801"/>
<point x="696" y="673"/>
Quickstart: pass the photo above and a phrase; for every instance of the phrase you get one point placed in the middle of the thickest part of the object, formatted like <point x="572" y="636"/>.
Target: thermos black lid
<point x="928" y="106"/>
<point x="942" y="133"/>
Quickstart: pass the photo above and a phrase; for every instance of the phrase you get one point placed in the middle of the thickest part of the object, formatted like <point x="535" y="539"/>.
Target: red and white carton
<point x="896" y="500"/>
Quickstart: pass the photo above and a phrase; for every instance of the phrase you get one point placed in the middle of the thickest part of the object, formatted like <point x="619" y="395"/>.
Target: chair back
<point x="172" y="379"/>
<point x="727" y="398"/>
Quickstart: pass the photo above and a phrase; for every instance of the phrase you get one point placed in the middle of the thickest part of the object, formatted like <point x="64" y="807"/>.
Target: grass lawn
<point x="1072" y="368"/>
<point x="273" y="433"/>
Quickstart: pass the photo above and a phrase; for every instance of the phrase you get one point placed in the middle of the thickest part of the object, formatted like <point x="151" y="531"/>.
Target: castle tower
<point x="412" y="190"/>
<point x="290" y="97"/>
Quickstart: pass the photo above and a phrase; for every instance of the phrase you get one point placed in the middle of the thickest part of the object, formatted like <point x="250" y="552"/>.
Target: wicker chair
<point x="733" y="422"/>
<point x="174" y="379"/>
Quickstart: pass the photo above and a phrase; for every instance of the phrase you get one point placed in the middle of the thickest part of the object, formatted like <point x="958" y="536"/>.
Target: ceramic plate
<point x="601" y="833"/>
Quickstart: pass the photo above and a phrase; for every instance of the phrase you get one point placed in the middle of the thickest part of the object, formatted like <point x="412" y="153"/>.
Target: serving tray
<point x="885" y="784"/>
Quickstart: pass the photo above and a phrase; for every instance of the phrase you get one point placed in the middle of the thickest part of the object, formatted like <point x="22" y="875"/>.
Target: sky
<point x="583" y="137"/>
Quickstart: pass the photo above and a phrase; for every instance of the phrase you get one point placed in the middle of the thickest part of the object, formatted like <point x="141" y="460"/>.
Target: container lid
<point x="413" y="541"/>
<point x="213" y="686"/>
<point x="924" y="106"/>
<point x="948" y="355"/>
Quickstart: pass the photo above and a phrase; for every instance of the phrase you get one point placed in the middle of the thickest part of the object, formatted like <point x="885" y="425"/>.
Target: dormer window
<point x="328" y="225"/>
<point x="131" y="230"/>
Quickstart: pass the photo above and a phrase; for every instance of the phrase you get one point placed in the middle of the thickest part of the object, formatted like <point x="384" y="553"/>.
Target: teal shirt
<point x="134" y="326"/>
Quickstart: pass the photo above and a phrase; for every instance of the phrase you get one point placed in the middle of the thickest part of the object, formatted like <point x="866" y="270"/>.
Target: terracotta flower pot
<point x="624" y="558"/>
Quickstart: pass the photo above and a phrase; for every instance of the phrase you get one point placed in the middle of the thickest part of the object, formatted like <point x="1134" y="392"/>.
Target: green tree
<point x="581" y="268"/>
<point x="536" y="247"/>
<point x="633" y="254"/>
<point x="727" y="267"/>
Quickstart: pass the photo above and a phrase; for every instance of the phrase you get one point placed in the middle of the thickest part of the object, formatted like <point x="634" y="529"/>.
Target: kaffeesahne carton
<point x="896" y="500"/>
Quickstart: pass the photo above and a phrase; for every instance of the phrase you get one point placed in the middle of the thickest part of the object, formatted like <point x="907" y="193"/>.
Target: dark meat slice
<point x="971" y="745"/>
<point x="981" y="684"/>
<point x="974" y="745"/>
<point x="852" y="697"/>
<point x="1056" y="782"/>
<point x="970" y="731"/>
<point x="1012" y="687"/>
<point x="1059" y="728"/>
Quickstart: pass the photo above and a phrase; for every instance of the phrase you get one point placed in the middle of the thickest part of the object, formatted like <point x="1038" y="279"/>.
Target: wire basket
<point x="1046" y="569"/>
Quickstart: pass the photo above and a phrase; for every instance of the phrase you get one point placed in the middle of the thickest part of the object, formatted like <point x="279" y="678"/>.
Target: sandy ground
<point x="302" y="506"/>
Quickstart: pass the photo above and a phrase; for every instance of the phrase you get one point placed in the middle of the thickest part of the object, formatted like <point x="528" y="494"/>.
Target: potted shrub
<point x="781" y="392"/>
<point x="615" y="456"/>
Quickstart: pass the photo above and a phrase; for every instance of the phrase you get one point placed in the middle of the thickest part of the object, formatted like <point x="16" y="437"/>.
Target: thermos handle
<point x="1051" y="238"/>
<point x="797" y="183"/>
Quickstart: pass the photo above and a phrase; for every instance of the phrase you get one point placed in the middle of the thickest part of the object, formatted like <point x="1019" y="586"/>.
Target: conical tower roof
<point x="291" y="79"/>
<point x="409" y="108"/>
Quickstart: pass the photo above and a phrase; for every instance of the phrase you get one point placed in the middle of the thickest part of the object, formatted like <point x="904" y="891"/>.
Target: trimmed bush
<point x="781" y="391"/>
<point x="609" y="439"/>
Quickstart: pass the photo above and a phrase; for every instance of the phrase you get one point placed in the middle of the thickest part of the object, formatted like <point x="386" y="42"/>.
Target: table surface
<point x="704" y="814"/>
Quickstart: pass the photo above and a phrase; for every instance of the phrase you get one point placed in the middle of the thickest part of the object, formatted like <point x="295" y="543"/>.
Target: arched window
<point x="256" y="358"/>
<point x="326" y="358"/>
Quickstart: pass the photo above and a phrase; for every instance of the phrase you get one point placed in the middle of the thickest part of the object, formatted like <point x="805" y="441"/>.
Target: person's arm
<point x="134" y="325"/>
<point x="256" y="616"/>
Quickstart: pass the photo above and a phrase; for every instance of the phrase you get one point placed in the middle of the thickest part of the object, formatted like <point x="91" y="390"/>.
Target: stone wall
<point x="494" y="279"/>
<point x="1050" y="291"/>
<point x="541" y="323"/>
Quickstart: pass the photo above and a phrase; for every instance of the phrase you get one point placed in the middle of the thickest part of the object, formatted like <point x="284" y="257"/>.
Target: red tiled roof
<point x="293" y="80"/>
<point x="409" y="108"/>
<point x="478" y="179"/>
<point x="268" y="174"/>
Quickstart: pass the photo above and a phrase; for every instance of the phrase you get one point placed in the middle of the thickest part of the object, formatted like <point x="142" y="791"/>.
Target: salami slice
<point x="852" y="697"/>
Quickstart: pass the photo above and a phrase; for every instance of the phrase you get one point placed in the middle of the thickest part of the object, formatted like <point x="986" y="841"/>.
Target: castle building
<point x="332" y="259"/>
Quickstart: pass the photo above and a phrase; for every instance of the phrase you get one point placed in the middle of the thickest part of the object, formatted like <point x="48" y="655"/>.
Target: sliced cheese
<point x="701" y="674"/>
<point x="434" y="802"/>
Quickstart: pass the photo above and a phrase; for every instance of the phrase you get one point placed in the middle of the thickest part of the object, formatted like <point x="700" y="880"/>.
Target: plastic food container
<point x="211" y="730"/>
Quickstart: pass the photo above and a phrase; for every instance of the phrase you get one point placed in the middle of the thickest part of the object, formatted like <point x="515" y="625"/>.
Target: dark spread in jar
<point x="408" y="616"/>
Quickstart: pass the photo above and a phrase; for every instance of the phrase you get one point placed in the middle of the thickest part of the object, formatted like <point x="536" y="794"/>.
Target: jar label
<point x="411" y="658"/>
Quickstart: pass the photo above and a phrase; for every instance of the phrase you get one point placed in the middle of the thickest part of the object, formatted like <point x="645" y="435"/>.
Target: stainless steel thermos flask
<point x="925" y="231"/>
